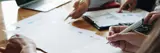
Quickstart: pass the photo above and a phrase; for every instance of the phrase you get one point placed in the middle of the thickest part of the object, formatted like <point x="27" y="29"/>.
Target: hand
<point x="152" y="16"/>
<point x="130" y="41"/>
<point x="80" y="8"/>
<point x="130" y="3"/>
<point x="19" y="44"/>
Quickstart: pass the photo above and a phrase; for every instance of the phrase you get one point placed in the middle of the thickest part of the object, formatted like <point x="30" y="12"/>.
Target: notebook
<point x="103" y="19"/>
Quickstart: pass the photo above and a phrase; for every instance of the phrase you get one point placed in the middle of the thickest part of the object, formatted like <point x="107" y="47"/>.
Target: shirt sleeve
<point x="98" y="3"/>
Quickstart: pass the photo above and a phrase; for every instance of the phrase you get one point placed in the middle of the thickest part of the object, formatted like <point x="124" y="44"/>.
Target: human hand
<point x="19" y="44"/>
<point x="130" y="41"/>
<point x="80" y="8"/>
<point x="129" y="4"/>
<point x="152" y="16"/>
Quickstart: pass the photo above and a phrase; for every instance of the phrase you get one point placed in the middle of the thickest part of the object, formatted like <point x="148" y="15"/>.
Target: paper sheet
<point x="110" y="17"/>
<point x="63" y="38"/>
<point x="51" y="33"/>
<point x="98" y="47"/>
<point x="55" y="16"/>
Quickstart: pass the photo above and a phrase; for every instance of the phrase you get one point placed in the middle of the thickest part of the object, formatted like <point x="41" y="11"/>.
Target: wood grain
<point x="25" y="13"/>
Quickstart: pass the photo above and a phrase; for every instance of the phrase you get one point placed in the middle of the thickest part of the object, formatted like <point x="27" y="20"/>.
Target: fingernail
<point x="119" y="12"/>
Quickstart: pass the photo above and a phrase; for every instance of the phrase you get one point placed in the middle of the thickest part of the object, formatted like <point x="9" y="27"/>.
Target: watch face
<point x="20" y="2"/>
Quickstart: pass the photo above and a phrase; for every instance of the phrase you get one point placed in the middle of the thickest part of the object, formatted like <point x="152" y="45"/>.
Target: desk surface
<point x="2" y="34"/>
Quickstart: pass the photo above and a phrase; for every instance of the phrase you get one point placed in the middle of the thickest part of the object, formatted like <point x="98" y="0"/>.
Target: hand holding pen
<point x="126" y="39"/>
<point x="80" y="7"/>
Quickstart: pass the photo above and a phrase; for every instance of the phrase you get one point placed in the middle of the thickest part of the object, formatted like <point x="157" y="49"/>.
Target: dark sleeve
<point x="147" y="5"/>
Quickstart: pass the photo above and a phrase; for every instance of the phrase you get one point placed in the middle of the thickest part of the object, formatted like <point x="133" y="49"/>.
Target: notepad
<point x="103" y="19"/>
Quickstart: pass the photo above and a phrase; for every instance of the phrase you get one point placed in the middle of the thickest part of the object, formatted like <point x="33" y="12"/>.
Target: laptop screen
<point x="20" y="2"/>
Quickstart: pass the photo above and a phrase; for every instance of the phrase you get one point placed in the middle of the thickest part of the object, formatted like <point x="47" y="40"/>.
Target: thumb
<point x="122" y="36"/>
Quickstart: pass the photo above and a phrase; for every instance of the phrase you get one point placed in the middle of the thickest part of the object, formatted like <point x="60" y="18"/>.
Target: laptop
<point x="41" y="5"/>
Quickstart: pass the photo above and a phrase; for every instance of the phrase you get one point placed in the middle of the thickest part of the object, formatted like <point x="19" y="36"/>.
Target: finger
<point x="75" y="14"/>
<point x="76" y="4"/>
<point x="110" y="33"/>
<point x="122" y="45"/>
<point x="153" y="18"/>
<point x="123" y="6"/>
<point x="116" y="29"/>
<point x="111" y="30"/>
<point x="131" y="7"/>
<point x="148" y="17"/>
<point x="122" y="28"/>
<point x="117" y="37"/>
<point x="115" y="44"/>
<point x="78" y="12"/>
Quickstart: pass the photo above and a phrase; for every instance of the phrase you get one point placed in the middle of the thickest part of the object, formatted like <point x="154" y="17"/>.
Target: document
<point x="55" y="16"/>
<point x="99" y="46"/>
<point x="110" y="17"/>
<point x="64" y="38"/>
<point x="52" y="34"/>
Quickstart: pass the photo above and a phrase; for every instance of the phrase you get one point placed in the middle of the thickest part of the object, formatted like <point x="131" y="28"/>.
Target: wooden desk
<point x="2" y="34"/>
<point x="24" y="13"/>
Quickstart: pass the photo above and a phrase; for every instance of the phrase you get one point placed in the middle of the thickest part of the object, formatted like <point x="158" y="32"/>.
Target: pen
<point x="133" y="26"/>
<point x="81" y="1"/>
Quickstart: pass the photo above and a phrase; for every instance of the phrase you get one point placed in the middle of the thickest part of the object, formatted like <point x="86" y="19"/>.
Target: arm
<point x="79" y="10"/>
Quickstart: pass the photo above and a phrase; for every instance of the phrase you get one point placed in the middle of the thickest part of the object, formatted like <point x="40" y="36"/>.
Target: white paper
<point x="98" y="46"/>
<point x="51" y="33"/>
<point x="54" y="16"/>
<point x="63" y="38"/>
<point x="110" y="17"/>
